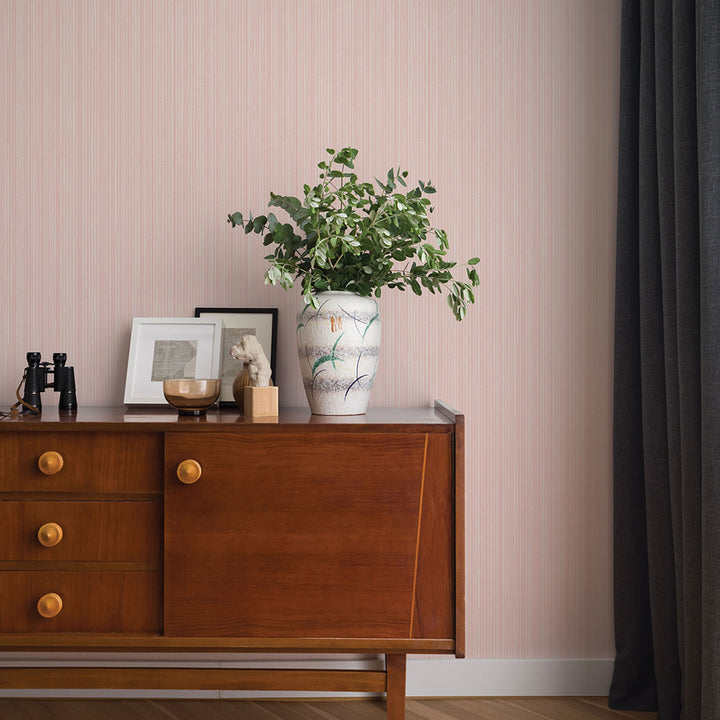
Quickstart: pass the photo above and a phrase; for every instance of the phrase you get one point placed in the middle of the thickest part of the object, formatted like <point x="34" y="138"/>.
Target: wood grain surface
<point x="566" y="708"/>
<point x="142" y="419"/>
<point x="199" y="679"/>
<point x="92" y="531"/>
<point x="337" y="536"/>
<point x="300" y="537"/>
<point x="92" y="642"/>
<point x="94" y="461"/>
<point x="93" y="602"/>
<point x="396" y="666"/>
<point x="433" y="614"/>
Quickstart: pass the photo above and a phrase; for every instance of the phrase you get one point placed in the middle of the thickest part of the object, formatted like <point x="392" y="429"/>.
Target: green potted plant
<point x="347" y="241"/>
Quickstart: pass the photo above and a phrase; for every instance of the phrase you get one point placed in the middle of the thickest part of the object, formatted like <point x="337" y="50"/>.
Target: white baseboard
<point x="446" y="677"/>
<point x="482" y="678"/>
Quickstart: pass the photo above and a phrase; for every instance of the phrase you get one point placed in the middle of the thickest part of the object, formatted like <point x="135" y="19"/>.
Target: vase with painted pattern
<point x="338" y="347"/>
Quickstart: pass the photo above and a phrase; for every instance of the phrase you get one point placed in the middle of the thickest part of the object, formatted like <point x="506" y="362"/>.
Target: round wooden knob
<point x="189" y="471"/>
<point x="50" y="462"/>
<point x="50" y="534"/>
<point x="49" y="605"/>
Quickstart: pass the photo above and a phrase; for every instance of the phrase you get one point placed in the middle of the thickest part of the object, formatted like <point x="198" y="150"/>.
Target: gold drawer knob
<point x="50" y="534"/>
<point x="189" y="471"/>
<point x="50" y="605"/>
<point x="50" y="462"/>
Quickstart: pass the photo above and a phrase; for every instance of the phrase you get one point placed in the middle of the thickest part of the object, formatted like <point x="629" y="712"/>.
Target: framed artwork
<point x="261" y="322"/>
<point x="167" y="348"/>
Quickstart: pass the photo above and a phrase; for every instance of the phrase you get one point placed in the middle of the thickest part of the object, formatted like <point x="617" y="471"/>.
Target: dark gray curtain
<point x="667" y="362"/>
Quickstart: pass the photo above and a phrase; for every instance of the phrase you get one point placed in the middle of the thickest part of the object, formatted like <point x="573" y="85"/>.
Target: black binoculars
<point x="36" y="380"/>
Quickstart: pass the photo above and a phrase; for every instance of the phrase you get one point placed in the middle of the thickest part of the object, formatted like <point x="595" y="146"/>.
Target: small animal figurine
<point x="250" y="350"/>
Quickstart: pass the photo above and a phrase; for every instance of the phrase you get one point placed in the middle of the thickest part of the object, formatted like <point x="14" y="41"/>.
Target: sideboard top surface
<point x="430" y="419"/>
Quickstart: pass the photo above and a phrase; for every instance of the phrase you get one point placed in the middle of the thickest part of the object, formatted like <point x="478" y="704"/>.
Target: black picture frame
<point x="261" y="322"/>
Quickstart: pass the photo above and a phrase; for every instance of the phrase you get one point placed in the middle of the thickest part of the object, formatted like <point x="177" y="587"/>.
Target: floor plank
<point x="634" y="715"/>
<point x="469" y="709"/>
<point x="567" y="708"/>
<point x="509" y="708"/>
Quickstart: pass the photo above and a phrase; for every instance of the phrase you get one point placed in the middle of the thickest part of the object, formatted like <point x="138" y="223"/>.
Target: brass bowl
<point x="191" y="397"/>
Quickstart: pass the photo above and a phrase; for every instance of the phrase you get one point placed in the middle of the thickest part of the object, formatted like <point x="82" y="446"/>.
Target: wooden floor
<point x="543" y="708"/>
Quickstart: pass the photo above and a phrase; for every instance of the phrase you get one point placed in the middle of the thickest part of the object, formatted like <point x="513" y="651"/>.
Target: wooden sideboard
<point x="139" y="530"/>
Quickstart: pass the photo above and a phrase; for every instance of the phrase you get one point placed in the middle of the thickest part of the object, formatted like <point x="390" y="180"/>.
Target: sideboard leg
<point x="395" y="666"/>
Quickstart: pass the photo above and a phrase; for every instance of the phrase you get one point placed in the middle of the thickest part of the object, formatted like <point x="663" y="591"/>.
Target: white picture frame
<point x="163" y="348"/>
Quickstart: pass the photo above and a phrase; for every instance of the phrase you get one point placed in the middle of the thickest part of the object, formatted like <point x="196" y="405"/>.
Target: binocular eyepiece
<point x="37" y="380"/>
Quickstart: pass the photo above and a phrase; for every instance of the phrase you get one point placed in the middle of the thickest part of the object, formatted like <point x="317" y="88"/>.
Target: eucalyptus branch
<point x="351" y="236"/>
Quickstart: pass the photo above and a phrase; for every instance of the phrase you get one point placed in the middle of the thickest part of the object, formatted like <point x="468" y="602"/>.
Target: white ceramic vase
<point x="338" y="347"/>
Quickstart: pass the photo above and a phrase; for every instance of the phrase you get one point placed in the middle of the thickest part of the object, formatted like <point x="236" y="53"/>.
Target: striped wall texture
<point x="130" y="128"/>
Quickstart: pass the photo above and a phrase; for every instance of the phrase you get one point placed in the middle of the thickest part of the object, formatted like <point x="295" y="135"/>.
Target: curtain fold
<point x="667" y="362"/>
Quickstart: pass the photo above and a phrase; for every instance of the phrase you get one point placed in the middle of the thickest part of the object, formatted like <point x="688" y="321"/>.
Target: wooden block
<point x="260" y="401"/>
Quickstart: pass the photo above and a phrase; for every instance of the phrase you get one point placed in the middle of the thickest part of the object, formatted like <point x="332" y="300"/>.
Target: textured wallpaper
<point x="130" y="128"/>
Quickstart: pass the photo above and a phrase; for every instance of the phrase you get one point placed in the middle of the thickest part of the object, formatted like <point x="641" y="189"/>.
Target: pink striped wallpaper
<point x="130" y="128"/>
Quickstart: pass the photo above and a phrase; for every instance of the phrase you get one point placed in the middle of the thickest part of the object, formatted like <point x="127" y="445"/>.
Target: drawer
<point x="90" y="462"/>
<point x="92" y="602"/>
<point x="89" y="531"/>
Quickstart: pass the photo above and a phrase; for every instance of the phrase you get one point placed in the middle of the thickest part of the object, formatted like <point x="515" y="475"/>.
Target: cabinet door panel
<point x="293" y="535"/>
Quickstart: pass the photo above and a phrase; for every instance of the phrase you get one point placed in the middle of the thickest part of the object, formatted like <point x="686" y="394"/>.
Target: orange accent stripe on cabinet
<point x="417" y="542"/>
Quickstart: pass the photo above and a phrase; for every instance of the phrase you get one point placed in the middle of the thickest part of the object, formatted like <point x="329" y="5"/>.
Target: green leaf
<point x="360" y="236"/>
<point x="320" y="254"/>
